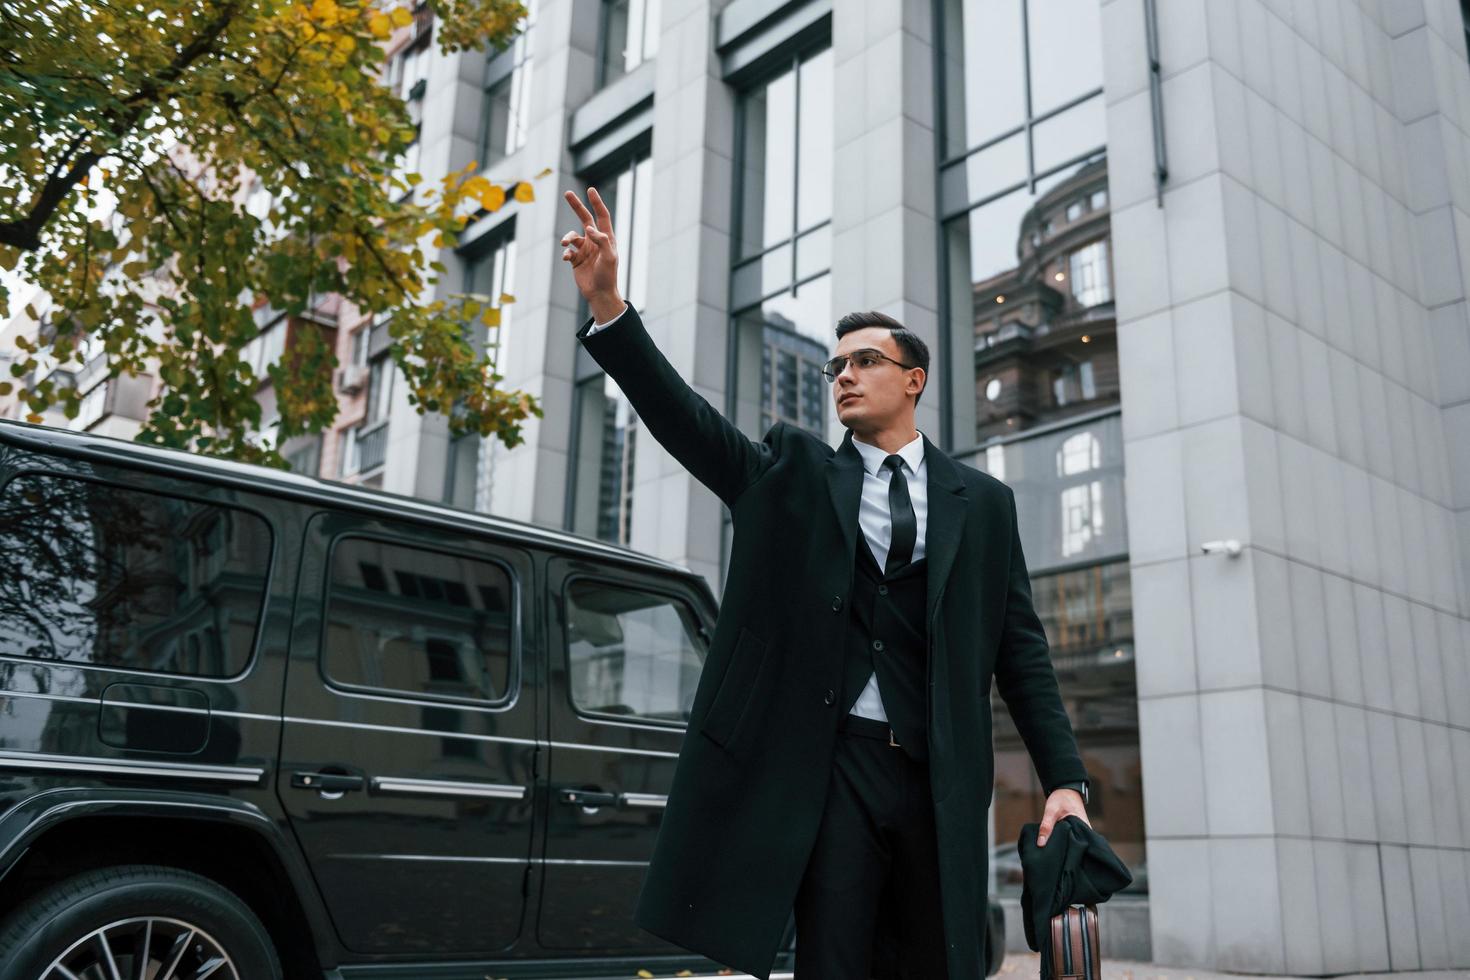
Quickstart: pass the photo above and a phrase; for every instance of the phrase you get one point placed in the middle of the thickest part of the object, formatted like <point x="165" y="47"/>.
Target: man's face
<point x="871" y="392"/>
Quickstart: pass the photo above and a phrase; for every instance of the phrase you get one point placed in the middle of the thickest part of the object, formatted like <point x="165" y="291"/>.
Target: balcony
<point x="372" y="447"/>
<point x="364" y="448"/>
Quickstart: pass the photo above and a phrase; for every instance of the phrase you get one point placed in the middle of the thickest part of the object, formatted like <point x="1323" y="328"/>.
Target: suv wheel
<point x="136" y="921"/>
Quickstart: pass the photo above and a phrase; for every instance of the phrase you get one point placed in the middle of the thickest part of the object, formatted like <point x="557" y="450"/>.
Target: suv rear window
<point x="103" y="575"/>
<point x="407" y="620"/>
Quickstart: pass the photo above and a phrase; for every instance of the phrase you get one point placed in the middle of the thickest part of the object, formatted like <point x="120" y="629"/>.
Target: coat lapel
<point x="944" y="525"/>
<point x="845" y="485"/>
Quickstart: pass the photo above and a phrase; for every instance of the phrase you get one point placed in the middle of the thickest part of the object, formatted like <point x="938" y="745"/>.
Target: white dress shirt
<point x="874" y="519"/>
<point x="598" y="326"/>
<point x="877" y="526"/>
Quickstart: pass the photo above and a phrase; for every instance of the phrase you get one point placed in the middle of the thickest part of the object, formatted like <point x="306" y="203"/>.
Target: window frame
<point x="268" y="579"/>
<point x="515" y="674"/>
<point x="588" y="376"/>
<point x="661" y="590"/>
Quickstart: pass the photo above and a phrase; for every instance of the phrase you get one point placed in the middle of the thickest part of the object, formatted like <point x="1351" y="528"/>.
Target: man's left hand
<point x="1059" y="804"/>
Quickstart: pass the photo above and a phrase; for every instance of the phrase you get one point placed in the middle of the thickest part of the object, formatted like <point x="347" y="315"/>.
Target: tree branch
<point x="25" y="233"/>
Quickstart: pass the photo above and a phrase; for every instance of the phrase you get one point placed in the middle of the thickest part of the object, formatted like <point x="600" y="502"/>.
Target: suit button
<point x="878" y="645"/>
<point x="837" y="603"/>
<point x="829" y="697"/>
<point x="882" y="590"/>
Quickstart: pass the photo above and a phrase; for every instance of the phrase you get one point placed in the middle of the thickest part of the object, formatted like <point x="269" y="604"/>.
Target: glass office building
<point x="1194" y="276"/>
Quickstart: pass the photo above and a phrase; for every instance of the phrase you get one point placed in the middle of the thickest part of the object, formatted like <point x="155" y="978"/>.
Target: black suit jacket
<point x="752" y="776"/>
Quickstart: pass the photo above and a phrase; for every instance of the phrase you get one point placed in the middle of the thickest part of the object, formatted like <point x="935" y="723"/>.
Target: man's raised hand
<point x="593" y="253"/>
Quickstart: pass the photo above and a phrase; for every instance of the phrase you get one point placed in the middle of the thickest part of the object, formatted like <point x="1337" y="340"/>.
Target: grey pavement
<point x="1018" y="966"/>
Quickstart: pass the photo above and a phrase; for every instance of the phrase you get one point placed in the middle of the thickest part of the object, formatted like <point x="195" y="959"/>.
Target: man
<point x="838" y="760"/>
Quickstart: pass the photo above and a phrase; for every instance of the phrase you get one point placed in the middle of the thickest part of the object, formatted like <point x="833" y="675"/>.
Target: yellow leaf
<point x="492" y="198"/>
<point x="645" y="973"/>
<point x="475" y="187"/>
<point x="380" y="25"/>
<point x="439" y="240"/>
<point x="346" y="44"/>
<point x="491" y="316"/>
<point x="507" y="298"/>
<point x="38" y="419"/>
<point x="524" y="194"/>
<point x="323" y="9"/>
<point x="401" y="17"/>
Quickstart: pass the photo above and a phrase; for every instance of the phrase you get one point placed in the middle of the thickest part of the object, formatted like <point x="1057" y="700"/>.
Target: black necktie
<point x="901" y="512"/>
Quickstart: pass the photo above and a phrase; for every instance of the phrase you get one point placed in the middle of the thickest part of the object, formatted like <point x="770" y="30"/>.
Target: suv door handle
<point x="327" y="782"/>
<point x="591" y="799"/>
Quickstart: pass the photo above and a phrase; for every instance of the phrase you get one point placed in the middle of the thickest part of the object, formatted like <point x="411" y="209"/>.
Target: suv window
<point x="419" y="622"/>
<point x="631" y="652"/>
<point x="99" y="574"/>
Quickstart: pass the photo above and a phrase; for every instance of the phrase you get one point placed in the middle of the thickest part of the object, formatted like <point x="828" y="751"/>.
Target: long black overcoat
<point x="752" y="776"/>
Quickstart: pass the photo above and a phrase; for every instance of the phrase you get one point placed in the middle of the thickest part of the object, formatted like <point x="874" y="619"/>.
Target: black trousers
<point x="875" y="852"/>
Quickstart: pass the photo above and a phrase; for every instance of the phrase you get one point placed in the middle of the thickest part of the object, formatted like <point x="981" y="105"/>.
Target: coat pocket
<point x="723" y="723"/>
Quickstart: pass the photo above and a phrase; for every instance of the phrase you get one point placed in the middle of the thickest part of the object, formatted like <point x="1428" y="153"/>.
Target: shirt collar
<point x="873" y="456"/>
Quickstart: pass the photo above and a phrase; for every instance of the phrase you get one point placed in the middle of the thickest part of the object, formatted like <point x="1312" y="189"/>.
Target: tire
<point x="126" y="910"/>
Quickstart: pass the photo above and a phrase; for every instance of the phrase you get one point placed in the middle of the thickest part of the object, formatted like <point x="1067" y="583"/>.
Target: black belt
<point x="867" y="727"/>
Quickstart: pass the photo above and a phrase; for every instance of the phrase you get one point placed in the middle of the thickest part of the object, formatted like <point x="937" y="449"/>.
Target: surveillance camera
<point x="1230" y="546"/>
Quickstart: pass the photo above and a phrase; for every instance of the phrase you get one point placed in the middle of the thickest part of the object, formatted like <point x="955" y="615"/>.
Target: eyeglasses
<point x="865" y="359"/>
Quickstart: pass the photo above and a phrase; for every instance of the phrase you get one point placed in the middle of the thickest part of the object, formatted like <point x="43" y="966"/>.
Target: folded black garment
<point x="1075" y="866"/>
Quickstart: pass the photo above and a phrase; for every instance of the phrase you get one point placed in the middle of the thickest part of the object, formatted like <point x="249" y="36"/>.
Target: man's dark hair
<point x="911" y="347"/>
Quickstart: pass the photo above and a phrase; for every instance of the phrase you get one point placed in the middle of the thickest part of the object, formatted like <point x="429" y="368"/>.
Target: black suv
<point x="256" y="725"/>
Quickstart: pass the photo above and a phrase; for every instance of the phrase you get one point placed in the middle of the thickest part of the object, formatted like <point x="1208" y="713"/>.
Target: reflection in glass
<point x="607" y="446"/>
<point x="1088" y="619"/>
<point x="631" y="653"/>
<point x="607" y="425"/>
<point x="1046" y="469"/>
<point x="1092" y="283"/>
<point x="417" y="622"/>
<point x="1022" y="95"/>
<point x="781" y="346"/>
<point x="985" y="72"/>
<point x="769" y="165"/>
<point x="1031" y="284"/>
<point x="1069" y="135"/>
<point x="986" y="172"/>
<point x="505" y="108"/>
<point x="814" y="141"/>
<point x="1062" y="42"/>
<point x="125" y="578"/>
<point x="780" y="286"/>
<point x="629" y="36"/>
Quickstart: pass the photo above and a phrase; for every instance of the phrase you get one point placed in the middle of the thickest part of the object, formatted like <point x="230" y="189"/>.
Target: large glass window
<point x="781" y="282"/>
<point x="629" y="36"/>
<point x="418" y="622"/>
<point x="124" y="578"/>
<point x="490" y="273"/>
<point x="505" y="108"/>
<point x="1069" y="494"/>
<point x="1032" y="371"/>
<point x="1030" y="333"/>
<point x="605" y="427"/>
<point x="631" y="652"/>
<point x="1012" y="65"/>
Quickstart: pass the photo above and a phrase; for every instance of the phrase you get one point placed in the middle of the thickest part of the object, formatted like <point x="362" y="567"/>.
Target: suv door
<point x="408" y="742"/>
<point x="625" y="651"/>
